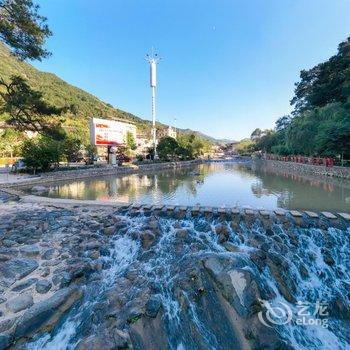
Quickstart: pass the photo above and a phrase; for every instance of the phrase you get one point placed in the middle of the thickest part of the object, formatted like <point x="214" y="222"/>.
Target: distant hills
<point x="83" y="104"/>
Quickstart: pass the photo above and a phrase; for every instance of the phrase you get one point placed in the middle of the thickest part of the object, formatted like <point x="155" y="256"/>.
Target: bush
<point x="72" y="149"/>
<point x="139" y="157"/>
<point x="41" y="153"/>
<point x="167" y="148"/>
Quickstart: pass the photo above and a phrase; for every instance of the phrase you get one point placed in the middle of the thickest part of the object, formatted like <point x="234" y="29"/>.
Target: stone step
<point x="296" y="213"/>
<point x="328" y="215"/>
<point x="311" y="214"/>
<point x="345" y="216"/>
<point x="280" y="212"/>
<point x="264" y="212"/>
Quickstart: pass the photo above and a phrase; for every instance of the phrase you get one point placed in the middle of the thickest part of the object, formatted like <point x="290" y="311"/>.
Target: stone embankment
<point x="149" y="277"/>
<point x="308" y="169"/>
<point x="82" y="173"/>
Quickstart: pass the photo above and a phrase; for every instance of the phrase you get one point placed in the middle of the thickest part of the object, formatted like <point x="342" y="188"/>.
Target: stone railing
<point x="299" y="168"/>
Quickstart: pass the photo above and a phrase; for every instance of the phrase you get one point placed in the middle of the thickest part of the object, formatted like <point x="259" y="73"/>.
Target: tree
<point x="23" y="29"/>
<point x="10" y="141"/>
<point x="282" y="123"/>
<point x="195" y="146"/>
<point x="328" y="82"/>
<point x="130" y="141"/>
<point x="27" y="110"/>
<point x="42" y="152"/>
<point x="256" y="134"/>
<point x="245" y="147"/>
<point x="167" y="148"/>
<point x="72" y="148"/>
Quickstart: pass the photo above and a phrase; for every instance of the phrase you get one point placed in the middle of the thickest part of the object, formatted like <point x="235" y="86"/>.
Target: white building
<point x="172" y="132"/>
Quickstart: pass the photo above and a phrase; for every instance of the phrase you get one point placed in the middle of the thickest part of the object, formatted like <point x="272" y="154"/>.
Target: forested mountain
<point x="82" y="105"/>
<point x="320" y="122"/>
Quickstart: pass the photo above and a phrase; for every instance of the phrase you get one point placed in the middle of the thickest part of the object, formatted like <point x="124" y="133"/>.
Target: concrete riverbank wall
<point x="99" y="171"/>
<point x="308" y="169"/>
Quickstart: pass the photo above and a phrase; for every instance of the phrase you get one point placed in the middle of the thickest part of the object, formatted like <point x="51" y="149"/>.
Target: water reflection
<point x="217" y="184"/>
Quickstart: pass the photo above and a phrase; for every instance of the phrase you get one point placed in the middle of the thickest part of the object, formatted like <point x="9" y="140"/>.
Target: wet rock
<point x="258" y="257"/>
<point x="43" y="286"/>
<point x="153" y="305"/>
<point x="22" y="302"/>
<point x="39" y="189"/>
<point x="202" y="226"/>
<point x="327" y="257"/>
<point x="109" y="230"/>
<point x="91" y="245"/>
<point x="147" y="238"/>
<point x="62" y="279"/>
<point x="50" y="263"/>
<point x="223" y="232"/>
<point x="23" y="285"/>
<point x="7" y="324"/>
<point x="134" y="314"/>
<point x="5" y="340"/>
<point x="340" y="308"/>
<point x="132" y="275"/>
<point x="45" y="272"/>
<point x="231" y="247"/>
<point x="46" y="313"/>
<point x="18" y="268"/>
<point x="8" y="243"/>
<point x="94" y="342"/>
<point x="283" y="277"/>
<point x="121" y="339"/>
<point x="94" y="254"/>
<point x="181" y="233"/>
<point x="214" y="265"/>
<point x="50" y="254"/>
<point x="30" y="250"/>
<point x="265" y="247"/>
<point x="80" y="269"/>
<point x="4" y="257"/>
<point x="303" y="271"/>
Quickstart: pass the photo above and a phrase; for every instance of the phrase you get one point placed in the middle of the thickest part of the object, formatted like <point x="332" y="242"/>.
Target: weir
<point x="204" y="278"/>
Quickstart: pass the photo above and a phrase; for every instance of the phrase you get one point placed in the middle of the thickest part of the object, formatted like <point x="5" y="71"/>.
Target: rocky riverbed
<point x="107" y="278"/>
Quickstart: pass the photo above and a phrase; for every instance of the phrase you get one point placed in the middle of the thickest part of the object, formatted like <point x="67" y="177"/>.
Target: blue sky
<point x="228" y="66"/>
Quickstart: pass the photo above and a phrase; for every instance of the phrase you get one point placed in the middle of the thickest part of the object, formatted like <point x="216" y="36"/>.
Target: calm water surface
<point x="215" y="184"/>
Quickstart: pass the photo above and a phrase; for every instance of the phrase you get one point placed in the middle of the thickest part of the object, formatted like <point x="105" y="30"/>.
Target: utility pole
<point x="153" y="60"/>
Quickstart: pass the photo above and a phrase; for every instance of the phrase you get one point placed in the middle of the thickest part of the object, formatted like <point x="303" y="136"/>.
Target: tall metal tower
<point x="153" y="60"/>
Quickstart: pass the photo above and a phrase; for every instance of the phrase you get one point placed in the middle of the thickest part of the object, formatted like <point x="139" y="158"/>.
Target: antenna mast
<point x="153" y="60"/>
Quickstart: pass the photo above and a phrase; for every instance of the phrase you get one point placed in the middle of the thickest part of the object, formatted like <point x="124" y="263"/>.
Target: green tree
<point x="245" y="147"/>
<point x="195" y="146"/>
<point x="72" y="148"/>
<point x="167" y="148"/>
<point x="10" y="142"/>
<point x="256" y="134"/>
<point x="130" y="141"/>
<point x="42" y="152"/>
<point x="27" y="110"/>
<point x="328" y="82"/>
<point x="23" y="29"/>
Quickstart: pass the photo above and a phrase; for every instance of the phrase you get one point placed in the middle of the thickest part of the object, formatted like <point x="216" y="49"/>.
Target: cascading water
<point x="123" y="252"/>
<point x="208" y="275"/>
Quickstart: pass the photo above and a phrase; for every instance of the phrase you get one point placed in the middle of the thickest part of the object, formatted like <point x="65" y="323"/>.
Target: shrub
<point x="41" y="153"/>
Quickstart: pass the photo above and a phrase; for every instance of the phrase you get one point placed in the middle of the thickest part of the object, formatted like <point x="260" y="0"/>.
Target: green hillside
<point x="59" y="93"/>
